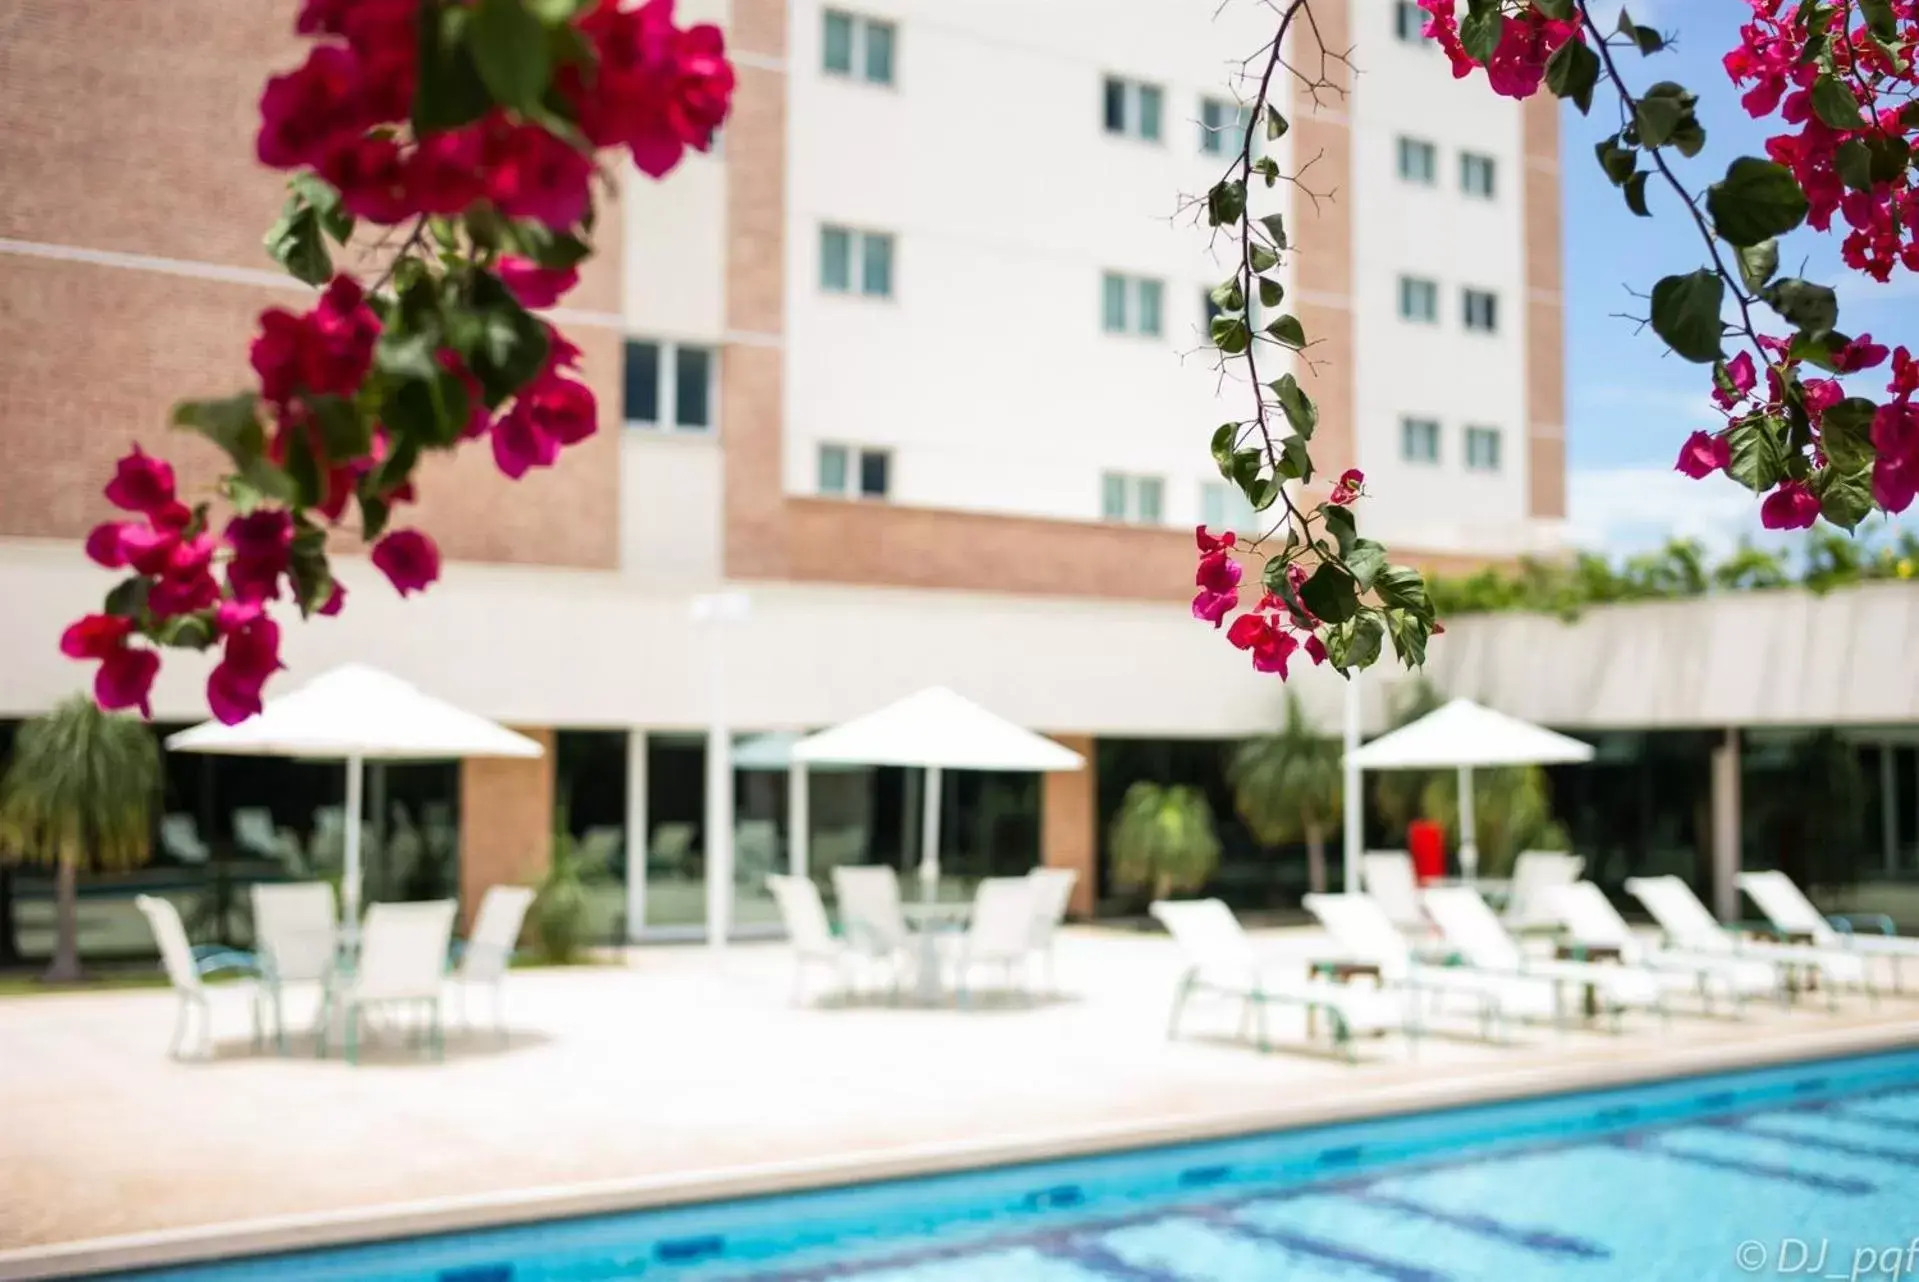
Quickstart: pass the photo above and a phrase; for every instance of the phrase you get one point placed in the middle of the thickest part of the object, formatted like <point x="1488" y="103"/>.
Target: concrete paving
<point x="679" y="1066"/>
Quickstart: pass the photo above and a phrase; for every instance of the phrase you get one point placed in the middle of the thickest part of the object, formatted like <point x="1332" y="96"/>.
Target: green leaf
<point x="1401" y="587"/>
<point x="128" y="598"/>
<point x="1618" y="161"/>
<point x="1276" y="581"/>
<point x="1756" y="201"/>
<point x="1880" y="19"/>
<point x="1261" y="258"/>
<point x="1294" y="462"/>
<point x="404" y="355"/>
<point x="186" y="632"/>
<point x="1276" y="125"/>
<point x="1853" y="163"/>
<point x="1365" y="559"/>
<point x="1356" y="643"/>
<point x="510" y="345"/>
<point x="1834" y="103"/>
<point x="1409" y="633"/>
<point x="1262" y="492"/>
<point x="1226" y="202"/>
<point x="1890" y="156"/>
<point x="432" y="411"/>
<point x="395" y="468"/>
<point x="1572" y="72"/>
<point x="1275" y="225"/>
<point x="1689" y="138"/>
<point x="1758" y="452"/>
<point x="1289" y="331"/>
<point x="1813" y="308"/>
<point x="232" y="423"/>
<point x="324" y="198"/>
<point x="1649" y="41"/>
<point x="1330" y="594"/>
<point x="450" y="92"/>
<point x="1845" y="434"/>
<point x="1822" y="351"/>
<point x="1757" y="263"/>
<point x="1226" y="296"/>
<point x="1636" y="195"/>
<point x="295" y="243"/>
<point x="1297" y="406"/>
<point x="546" y="247"/>
<point x="553" y="12"/>
<point x="1558" y="10"/>
<point x="1225" y="439"/>
<point x="1341" y="525"/>
<point x="1268" y="168"/>
<point x="510" y="50"/>
<point x="1845" y="497"/>
<point x="307" y="566"/>
<point x="1480" y="30"/>
<point x="1230" y="334"/>
<point x="1659" y="113"/>
<point x="344" y="431"/>
<point x="1685" y="312"/>
<point x="1271" y="292"/>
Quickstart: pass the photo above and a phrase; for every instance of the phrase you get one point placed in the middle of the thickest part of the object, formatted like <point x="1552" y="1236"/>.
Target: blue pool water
<point x="1728" y="1176"/>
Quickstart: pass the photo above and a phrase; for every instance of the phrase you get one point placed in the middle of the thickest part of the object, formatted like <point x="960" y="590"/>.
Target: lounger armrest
<point x="1848" y="924"/>
<point x="213" y="959"/>
<point x="1765" y="928"/>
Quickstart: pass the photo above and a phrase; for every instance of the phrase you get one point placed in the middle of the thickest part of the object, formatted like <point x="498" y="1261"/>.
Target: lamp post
<point x="714" y="611"/>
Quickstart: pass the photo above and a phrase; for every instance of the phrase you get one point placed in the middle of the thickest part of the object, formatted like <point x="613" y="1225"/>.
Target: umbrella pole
<point x="930" y="836"/>
<point x="350" y="873"/>
<point x="1468" y="827"/>
<point x="1354" y="822"/>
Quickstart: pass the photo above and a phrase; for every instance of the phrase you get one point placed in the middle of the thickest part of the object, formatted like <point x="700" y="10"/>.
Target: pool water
<point x="1809" y="1169"/>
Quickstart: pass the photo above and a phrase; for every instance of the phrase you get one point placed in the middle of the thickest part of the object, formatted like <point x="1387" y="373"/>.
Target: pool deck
<point x="683" y="1075"/>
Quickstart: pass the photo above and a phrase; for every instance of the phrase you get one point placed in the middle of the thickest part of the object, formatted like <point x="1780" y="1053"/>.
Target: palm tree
<point x="1512" y="811"/>
<point x="79" y="794"/>
<point x="1289" y="787"/>
<point x="1163" y="838"/>
<point x="1397" y="793"/>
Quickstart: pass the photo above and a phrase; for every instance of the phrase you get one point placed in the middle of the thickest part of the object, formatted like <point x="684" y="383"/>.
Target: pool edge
<point x="277" y="1234"/>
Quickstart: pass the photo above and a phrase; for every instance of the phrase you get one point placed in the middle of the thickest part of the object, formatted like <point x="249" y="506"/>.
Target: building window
<point x="1482" y="310"/>
<point x="1419" y="440"/>
<point x="1482" y="449"/>
<point x="1476" y="174"/>
<point x="1418" y="300"/>
<point x="1132" y="109"/>
<point x="1131" y="305"/>
<point x="1409" y="21"/>
<point x="861" y="47"/>
<point x="846" y="472"/>
<point x="679" y="375"/>
<point x="1134" y="499"/>
<point x="1418" y="161"/>
<point x="856" y="262"/>
<point x="1224" y="507"/>
<point x="1222" y="127"/>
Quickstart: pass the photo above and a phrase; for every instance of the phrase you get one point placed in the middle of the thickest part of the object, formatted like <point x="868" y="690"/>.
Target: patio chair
<point x="810" y="934"/>
<point x="1362" y="932"/>
<point x="756" y="851"/>
<point x="1592" y="925"/>
<point x="1472" y="928"/>
<point x="187" y="966"/>
<point x="1794" y="916"/>
<point x="871" y="921"/>
<point x="296" y="935"/>
<point x="998" y="934"/>
<point x="254" y="833"/>
<point x="402" y="963"/>
<point x="671" y="849"/>
<point x="1219" y="958"/>
<point x="180" y="838"/>
<point x="1535" y="873"/>
<point x="600" y="847"/>
<point x="482" y="960"/>
<point x="1387" y="876"/>
<point x="1689" y="926"/>
<point x="1052" y="894"/>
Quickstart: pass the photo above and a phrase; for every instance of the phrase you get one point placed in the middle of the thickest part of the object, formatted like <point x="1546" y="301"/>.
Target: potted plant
<point x="1163" y="838"/>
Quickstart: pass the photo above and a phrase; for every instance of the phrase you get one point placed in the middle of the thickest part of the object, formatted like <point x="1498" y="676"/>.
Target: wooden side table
<point x="1566" y="950"/>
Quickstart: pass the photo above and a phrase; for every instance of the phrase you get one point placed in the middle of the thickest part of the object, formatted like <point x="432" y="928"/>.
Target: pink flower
<point x="343" y="332"/>
<point x="1740" y="374"/>
<point x="534" y="285"/>
<point x="561" y="408"/>
<point x="1860" y="353"/>
<point x="96" y="636"/>
<point x="1208" y="543"/>
<point x="520" y="443"/>
<point x="477" y="419"/>
<point x="532" y="174"/>
<point x="409" y="560"/>
<point x="262" y="543"/>
<point x="1790" y="507"/>
<point x="1703" y="454"/>
<point x="443" y="173"/>
<point x="1218" y="572"/>
<point x="1213" y="607"/>
<point x="1316" y="649"/>
<point x="1351" y="481"/>
<point x="125" y="680"/>
<point x="659" y="89"/>
<point x="148" y="548"/>
<point x="306" y="110"/>
<point x="251" y="656"/>
<point x="104" y="546"/>
<point x="141" y="483"/>
<point x="373" y="178"/>
<point x="336" y="600"/>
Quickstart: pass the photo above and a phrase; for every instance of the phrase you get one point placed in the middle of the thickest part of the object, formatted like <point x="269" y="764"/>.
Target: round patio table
<point x="929" y="919"/>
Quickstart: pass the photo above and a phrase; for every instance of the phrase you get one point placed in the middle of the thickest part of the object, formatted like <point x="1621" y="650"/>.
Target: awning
<point x="1462" y="733"/>
<point x="936" y="728"/>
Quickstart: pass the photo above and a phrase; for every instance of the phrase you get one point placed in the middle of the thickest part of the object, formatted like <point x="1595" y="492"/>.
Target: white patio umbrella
<point x="353" y="713"/>
<point x="935" y="730"/>
<point x="1463" y="735"/>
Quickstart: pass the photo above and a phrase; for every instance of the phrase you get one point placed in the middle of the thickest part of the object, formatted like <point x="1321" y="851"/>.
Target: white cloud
<point x="1628" y="509"/>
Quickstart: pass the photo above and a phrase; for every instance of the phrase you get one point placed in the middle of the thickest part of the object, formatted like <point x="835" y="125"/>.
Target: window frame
<point x="1410" y="425"/>
<point x="1132" y="97"/>
<point x="1407" y="287"/>
<point x="859" y="47"/>
<point x="666" y="385"/>
<point x="1223" y="506"/>
<point x="1132" y="487"/>
<point x="1407" y="146"/>
<point x="853" y="464"/>
<point x="1468" y="160"/>
<point x="1468" y="295"/>
<point x="1133" y="293"/>
<point x="1493" y="458"/>
<point x="1403" y="10"/>
<point x="1227" y="135"/>
<point x="857" y="259"/>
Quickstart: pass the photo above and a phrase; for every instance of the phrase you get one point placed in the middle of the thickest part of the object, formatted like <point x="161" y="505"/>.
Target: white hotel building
<point x="914" y="360"/>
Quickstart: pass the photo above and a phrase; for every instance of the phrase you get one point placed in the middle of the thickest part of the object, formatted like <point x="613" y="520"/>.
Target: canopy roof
<point x="936" y="727"/>
<point x="357" y="711"/>
<point x="1462" y="733"/>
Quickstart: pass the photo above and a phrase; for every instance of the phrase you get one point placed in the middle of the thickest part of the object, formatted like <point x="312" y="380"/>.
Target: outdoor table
<point x="929" y="919"/>
<point x="1567" y="950"/>
<point x="1340" y="970"/>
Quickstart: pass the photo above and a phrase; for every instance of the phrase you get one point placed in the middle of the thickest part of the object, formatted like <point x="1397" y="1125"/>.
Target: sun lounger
<point x="1535" y="874"/>
<point x="1689" y="926"/>
<point x="187" y="967"/>
<point x="1593" y="925"/>
<point x="1219" y="958"/>
<point x="1794" y="915"/>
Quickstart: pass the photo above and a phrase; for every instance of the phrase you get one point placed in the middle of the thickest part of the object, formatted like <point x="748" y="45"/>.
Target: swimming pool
<point x="1726" y="1176"/>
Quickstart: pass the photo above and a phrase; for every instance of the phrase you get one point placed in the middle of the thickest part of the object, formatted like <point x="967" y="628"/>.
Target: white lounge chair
<point x="187" y="966"/>
<point x="1052" y="895"/>
<point x="1535" y="873"/>
<point x="810" y="934"/>
<point x="1688" y="925"/>
<point x="1592" y="924"/>
<point x="402" y="963"/>
<point x="180" y="837"/>
<point x="296" y="934"/>
<point x="1219" y="958"/>
<point x="483" y="960"/>
<point x="1787" y="907"/>
<point x="1472" y="928"/>
<point x="871" y="921"/>
<point x="1362" y="932"/>
<point x="254" y="834"/>
<point x="999" y="933"/>
<point x="1388" y="877"/>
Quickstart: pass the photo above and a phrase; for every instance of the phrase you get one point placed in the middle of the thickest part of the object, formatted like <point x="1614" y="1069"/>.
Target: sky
<point x="1629" y="403"/>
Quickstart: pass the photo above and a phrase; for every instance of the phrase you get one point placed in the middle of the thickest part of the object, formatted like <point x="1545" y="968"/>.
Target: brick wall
<point x="506" y="822"/>
<point x="1545" y="309"/>
<point x="1069" y="823"/>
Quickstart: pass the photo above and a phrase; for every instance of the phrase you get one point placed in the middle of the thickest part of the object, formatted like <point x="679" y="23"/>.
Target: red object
<point x="1427" y="842"/>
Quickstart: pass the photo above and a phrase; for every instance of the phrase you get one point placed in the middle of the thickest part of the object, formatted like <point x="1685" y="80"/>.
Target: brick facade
<point x="506" y="822"/>
<point x="1069" y="823"/>
<point x="1545" y="309"/>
